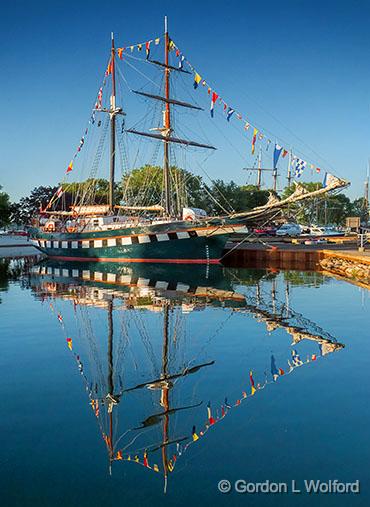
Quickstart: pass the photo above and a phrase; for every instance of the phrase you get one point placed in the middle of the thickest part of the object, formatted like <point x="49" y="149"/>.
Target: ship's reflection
<point x="136" y="380"/>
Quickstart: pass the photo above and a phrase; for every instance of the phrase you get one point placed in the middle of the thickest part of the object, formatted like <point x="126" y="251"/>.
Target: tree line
<point x="146" y="184"/>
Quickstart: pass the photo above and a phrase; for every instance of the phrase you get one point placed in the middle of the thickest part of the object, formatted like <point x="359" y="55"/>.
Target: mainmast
<point x="112" y="129"/>
<point x="166" y="124"/>
<point x="165" y="402"/>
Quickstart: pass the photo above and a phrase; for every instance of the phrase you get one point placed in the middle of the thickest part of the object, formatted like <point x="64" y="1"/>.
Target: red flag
<point x="255" y="131"/>
<point x="70" y="167"/>
<point x="285" y="152"/>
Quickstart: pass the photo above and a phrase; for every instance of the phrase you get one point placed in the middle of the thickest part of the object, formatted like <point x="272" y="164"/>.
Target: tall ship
<point x="126" y="230"/>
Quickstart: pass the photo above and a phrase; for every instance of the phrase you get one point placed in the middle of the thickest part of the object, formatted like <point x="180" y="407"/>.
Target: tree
<point x="144" y="187"/>
<point x="238" y="198"/>
<point x="360" y="209"/>
<point x="22" y="212"/>
<point x="5" y="209"/>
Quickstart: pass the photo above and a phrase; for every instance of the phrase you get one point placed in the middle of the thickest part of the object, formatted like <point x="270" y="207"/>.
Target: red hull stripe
<point x="161" y="261"/>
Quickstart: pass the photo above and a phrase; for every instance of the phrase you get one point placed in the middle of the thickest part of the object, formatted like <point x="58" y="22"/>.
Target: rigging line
<point x="287" y="128"/>
<point x="142" y="74"/>
<point x="218" y="189"/>
<point x="278" y="137"/>
<point x="249" y="236"/>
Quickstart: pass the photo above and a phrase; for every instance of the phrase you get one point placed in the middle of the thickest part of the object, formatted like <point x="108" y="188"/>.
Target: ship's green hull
<point x="172" y="243"/>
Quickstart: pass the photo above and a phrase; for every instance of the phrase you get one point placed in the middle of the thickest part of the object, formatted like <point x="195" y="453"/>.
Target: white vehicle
<point x="289" y="230"/>
<point x="324" y="231"/>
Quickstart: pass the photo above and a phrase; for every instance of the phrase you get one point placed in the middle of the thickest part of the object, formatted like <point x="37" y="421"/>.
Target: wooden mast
<point x="166" y="124"/>
<point x="165" y="393"/>
<point x="112" y="129"/>
<point x="110" y="380"/>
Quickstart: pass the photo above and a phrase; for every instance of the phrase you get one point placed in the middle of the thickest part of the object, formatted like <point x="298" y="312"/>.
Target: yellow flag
<point x="255" y="131"/>
<point x="156" y="42"/>
<point x="195" y="437"/>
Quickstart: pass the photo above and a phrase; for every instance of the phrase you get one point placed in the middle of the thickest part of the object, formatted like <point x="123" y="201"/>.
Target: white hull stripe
<point x="130" y="280"/>
<point x="133" y="240"/>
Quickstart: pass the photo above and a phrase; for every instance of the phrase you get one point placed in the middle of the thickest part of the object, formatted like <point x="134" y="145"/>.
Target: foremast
<point x="112" y="114"/>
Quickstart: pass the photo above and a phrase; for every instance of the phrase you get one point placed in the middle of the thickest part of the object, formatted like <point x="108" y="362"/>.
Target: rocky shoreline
<point x="354" y="270"/>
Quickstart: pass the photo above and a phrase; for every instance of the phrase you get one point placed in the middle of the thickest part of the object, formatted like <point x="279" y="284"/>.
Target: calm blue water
<point x="269" y="370"/>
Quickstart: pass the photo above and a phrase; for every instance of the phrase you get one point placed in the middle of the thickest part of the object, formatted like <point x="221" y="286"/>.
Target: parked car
<point x="265" y="231"/>
<point x="324" y="231"/>
<point x="289" y="230"/>
<point x="305" y="229"/>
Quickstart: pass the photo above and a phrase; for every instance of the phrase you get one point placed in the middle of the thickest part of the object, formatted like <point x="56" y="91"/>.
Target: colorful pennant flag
<point x="147" y="49"/>
<point x="277" y="152"/>
<point x="230" y="112"/>
<point x="211" y="420"/>
<point x="253" y="389"/>
<point x="69" y="343"/>
<point x="254" y="139"/>
<point x="274" y="370"/>
<point x="195" y="436"/>
<point x="299" y="167"/>
<point x="197" y="80"/>
<point x="70" y="167"/>
<point x="213" y="101"/>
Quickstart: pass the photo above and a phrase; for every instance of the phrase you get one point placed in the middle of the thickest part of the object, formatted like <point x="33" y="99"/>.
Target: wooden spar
<point x="171" y="67"/>
<point x="144" y="208"/>
<point x="166" y="125"/>
<point x="170" y="101"/>
<point x="112" y="129"/>
<point x="168" y="139"/>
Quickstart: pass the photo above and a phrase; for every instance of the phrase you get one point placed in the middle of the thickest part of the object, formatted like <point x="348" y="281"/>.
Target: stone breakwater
<point x="353" y="269"/>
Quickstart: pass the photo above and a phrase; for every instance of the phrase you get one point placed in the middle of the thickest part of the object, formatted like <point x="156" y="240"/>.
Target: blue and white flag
<point x="277" y="151"/>
<point x="296" y="359"/>
<point x="230" y="112"/>
<point x="181" y="61"/>
<point x="274" y="370"/>
<point x="299" y="167"/>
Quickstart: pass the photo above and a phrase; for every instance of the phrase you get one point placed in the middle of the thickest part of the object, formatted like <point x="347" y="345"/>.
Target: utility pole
<point x="289" y="176"/>
<point x="366" y="194"/>
<point x="259" y="169"/>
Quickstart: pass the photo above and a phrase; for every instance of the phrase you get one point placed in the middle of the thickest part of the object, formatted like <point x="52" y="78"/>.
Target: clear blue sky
<point x="305" y="62"/>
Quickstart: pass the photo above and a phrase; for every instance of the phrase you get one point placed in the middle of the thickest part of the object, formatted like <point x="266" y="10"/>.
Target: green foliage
<point x="144" y="187"/>
<point x="22" y="212"/>
<point x="360" y="209"/>
<point x="5" y="209"/>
